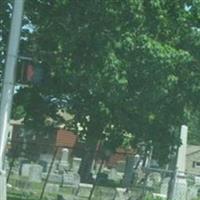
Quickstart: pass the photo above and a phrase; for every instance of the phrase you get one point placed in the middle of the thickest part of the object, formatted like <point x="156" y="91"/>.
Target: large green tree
<point x="127" y="66"/>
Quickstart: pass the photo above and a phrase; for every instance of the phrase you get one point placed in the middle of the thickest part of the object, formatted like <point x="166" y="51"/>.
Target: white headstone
<point x="72" y="179"/>
<point x="122" y="194"/>
<point x="76" y="164"/>
<point x="104" y="193"/>
<point x="46" y="157"/>
<point x="159" y="196"/>
<point x="6" y="164"/>
<point x="84" y="190"/>
<point x="3" y="184"/>
<point x="25" y="170"/>
<point x="181" y="160"/>
<point x="164" y="186"/>
<point x="65" y="154"/>
<point x="52" y="188"/>
<point x="35" y="173"/>
<point x="180" y="190"/>
<point x="113" y="175"/>
<point x="64" y="162"/>
<point x="192" y="192"/>
<point x="53" y="178"/>
<point x="197" y="180"/>
<point x="67" y="197"/>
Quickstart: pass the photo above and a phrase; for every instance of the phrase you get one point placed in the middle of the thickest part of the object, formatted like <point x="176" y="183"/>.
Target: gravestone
<point x="6" y="164"/>
<point x="35" y="173"/>
<point x="3" y="184"/>
<point x="53" y="178"/>
<point x="76" y="164"/>
<point x="52" y="188"/>
<point x="64" y="162"/>
<point x="164" y="186"/>
<point x="197" y="180"/>
<point x="84" y="190"/>
<point x="46" y="157"/>
<point x="113" y="175"/>
<point x="72" y="179"/>
<point x="160" y="196"/>
<point x="67" y="197"/>
<point x="25" y="170"/>
<point x="103" y="193"/>
<point x="122" y="194"/>
<point x="192" y="192"/>
<point x="180" y="186"/>
<point x="120" y="166"/>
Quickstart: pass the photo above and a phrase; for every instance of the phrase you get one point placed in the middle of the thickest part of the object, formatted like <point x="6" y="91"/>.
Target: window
<point x="196" y="164"/>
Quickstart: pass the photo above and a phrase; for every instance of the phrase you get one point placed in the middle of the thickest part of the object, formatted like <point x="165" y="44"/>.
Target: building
<point x="193" y="159"/>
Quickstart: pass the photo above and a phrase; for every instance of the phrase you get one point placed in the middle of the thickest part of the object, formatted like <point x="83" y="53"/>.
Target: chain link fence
<point x="40" y="170"/>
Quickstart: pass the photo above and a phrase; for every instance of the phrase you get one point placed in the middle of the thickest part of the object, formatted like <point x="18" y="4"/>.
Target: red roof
<point x="66" y="138"/>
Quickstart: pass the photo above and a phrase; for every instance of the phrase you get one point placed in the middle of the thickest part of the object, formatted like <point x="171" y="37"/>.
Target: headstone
<point x="192" y="192"/>
<point x="164" y="186"/>
<point x="181" y="161"/>
<point x="3" y="184"/>
<point x="113" y="175"/>
<point x="65" y="154"/>
<point x="122" y="194"/>
<point x="76" y="164"/>
<point x="159" y="196"/>
<point x="45" y="160"/>
<point x="180" y="187"/>
<point x="20" y="163"/>
<point x="84" y="190"/>
<point x="72" y="179"/>
<point x="197" y="180"/>
<point x="52" y="188"/>
<point x="35" y="173"/>
<point x="120" y="166"/>
<point x="46" y="157"/>
<point x="180" y="191"/>
<point x="6" y="164"/>
<point x="64" y="162"/>
<point x="25" y="170"/>
<point x="53" y="178"/>
<point x="103" y="193"/>
<point x="67" y="197"/>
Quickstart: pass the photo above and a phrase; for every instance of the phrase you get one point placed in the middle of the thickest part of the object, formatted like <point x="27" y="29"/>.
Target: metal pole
<point x="49" y="172"/>
<point x="95" y="182"/>
<point x="8" y="86"/>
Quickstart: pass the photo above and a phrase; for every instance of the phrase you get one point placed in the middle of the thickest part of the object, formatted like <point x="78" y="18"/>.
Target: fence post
<point x="48" y="174"/>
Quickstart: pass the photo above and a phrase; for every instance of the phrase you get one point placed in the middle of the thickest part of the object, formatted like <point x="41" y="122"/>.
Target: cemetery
<point x="57" y="178"/>
<point x="123" y="175"/>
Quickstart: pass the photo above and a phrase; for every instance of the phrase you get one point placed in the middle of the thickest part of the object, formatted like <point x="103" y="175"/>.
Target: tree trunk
<point x="86" y="165"/>
<point x="87" y="159"/>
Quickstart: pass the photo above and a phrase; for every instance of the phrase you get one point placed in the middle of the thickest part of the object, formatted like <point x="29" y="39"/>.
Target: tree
<point x="127" y="66"/>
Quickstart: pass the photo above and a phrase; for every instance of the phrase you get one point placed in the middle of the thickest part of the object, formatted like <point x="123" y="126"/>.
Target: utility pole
<point x="8" y="87"/>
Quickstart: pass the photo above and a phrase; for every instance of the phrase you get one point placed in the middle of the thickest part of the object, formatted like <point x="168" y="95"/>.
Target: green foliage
<point x="124" y="67"/>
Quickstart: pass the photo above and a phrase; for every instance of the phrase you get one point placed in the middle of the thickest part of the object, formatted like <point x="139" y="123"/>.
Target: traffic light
<point x="31" y="73"/>
<point x="35" y="73"/>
